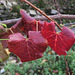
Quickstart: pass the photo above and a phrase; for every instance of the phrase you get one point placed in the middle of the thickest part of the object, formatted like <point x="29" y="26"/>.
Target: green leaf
<point x="4" y="25"/>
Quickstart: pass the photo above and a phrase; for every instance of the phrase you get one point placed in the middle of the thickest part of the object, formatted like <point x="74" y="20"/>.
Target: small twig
<point x="66" y="61"/>
<point x="42" y="13"/>
<point x="72" y="73"/>
<point x="64" y="58"/>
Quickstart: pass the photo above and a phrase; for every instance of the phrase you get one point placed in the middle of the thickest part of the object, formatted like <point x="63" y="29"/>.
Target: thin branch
<point x="58" y="16"/>
<point x="10" y="22"/>
<point x="67" y="67"/>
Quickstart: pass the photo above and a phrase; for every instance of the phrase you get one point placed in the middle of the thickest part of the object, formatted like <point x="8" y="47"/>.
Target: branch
<point x="59" y="16"/>
<point x="10" y="22"/>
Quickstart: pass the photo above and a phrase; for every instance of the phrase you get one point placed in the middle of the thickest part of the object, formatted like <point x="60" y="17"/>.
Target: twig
<point x="66" y="61"/>
<point x="42" y="13"/>
<point x="11" y="21"/>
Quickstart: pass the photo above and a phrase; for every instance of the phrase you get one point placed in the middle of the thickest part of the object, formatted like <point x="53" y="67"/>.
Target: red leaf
<point x="59" y="42"/>
<point x="29" y="22"/>
<point x="30" y="49"/>
<point x="37" y="38"/>
<point x="26" y="24"/>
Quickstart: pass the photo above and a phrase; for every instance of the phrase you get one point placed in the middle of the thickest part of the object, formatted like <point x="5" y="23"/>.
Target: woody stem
<point x="42" y="13"/>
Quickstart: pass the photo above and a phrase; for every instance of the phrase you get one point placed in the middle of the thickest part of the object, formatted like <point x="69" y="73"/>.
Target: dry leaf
<point x="44" y="61"/>
<point x="3" y="54"/>
<point x="7" y="51"/>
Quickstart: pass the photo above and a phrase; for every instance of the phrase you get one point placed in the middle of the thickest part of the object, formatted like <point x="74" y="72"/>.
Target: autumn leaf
<point x="7" y="51"/>
<point x="29" y="22"/>
<point x="37" y="38"/>
<point x="25" y="24"/>
<point x="30" y="49"/>
<point x="59" y="42"/>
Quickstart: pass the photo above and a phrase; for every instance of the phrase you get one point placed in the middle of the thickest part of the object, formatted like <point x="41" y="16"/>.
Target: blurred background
<point x="50" y="63"/>
<point x="10" y="8"/>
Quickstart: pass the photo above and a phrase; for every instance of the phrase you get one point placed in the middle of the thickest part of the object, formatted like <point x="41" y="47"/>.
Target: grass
<point x="54" y="65"/>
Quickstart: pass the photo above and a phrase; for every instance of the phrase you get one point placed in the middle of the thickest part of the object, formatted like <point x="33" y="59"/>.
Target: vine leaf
<point x="29" y="49"/>
<point x="59" y="42"/>
<point x="29" y="23"/>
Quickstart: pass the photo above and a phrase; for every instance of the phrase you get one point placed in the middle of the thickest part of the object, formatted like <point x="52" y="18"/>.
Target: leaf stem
<point x="42" y="13"/>
<point x="37" y="26"/>
<point x="3" y="39"/>
<point x="11" y="30"/>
